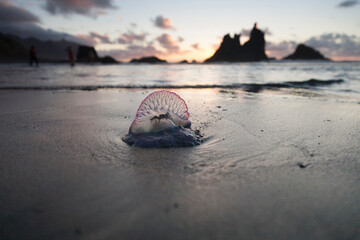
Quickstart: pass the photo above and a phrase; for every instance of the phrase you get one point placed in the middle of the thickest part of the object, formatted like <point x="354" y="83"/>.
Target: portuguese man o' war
<point x="162" y="120"/>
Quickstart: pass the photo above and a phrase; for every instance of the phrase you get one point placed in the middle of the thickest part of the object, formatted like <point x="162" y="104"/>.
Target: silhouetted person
<point x="33" y="57"/>
<point x="71" y="56"/>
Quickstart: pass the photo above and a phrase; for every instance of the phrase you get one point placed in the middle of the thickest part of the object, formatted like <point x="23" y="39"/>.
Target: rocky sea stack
<point x="231" y="50"/>
<point x="151" y="59"/>
<point x="304" y="52"/>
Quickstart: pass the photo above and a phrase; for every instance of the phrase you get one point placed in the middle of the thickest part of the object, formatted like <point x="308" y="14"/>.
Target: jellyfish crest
<point x="161" y="110"/>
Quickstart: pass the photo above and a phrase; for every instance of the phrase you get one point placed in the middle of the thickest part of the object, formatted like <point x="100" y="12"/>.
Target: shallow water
<point x="235" y="75"/>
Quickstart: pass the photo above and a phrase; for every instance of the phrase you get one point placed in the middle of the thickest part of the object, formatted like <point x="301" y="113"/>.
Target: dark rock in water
<point x="151" y="59"/>
<point x="86" y="54"/>
<point x="108" y="60"/>
<point x="304" y="52"/>
<point x="11" y="51"/>
<point x="184" y="61"/>
<point x="231" y="50"/>
<point x="301" y="165"/>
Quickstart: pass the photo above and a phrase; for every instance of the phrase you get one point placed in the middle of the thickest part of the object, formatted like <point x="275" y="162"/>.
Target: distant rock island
<point x="231" y="50"/>
<point x="304" y="52"/>
<point x="151" y="59"/>
<point x="186" y="62"/>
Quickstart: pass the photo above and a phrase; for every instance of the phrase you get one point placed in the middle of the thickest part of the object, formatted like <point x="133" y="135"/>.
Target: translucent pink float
<point x="162" y="120"/>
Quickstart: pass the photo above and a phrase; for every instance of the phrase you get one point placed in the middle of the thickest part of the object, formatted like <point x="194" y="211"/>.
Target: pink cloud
<point x="135" y="49"/>
<point x="336" y="46"/>
<point x="196" y="46"/>
<point x="280" y="49"/>
<point x="130" y="37"/>
<point x="132" y="51"/>
<point x="168" y="43"/>
<point x="89" y="40"/>
<point x="103" y="38"/>
<point x="164" y="23"/>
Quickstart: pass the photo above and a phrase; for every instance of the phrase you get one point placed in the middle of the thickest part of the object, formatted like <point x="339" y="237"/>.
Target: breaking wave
<point x="248" y="87"/>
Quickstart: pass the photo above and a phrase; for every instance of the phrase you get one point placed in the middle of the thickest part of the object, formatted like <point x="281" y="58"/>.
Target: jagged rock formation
<point x="151" y="59"/>
<point x="86" y="54"/>
<point x="304" y="52"/>
<point x="231" y="50"/>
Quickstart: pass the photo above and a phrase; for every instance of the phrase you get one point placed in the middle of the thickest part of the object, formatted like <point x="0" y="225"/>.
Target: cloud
<point x="132" y="51"/>
<point x="180" y="39"/>
<point x="348" y="3"/>
<point x="25" y="30"/>
<point x="196" y="46"/>
<point x="164" y="23"/>
<point x="168" y="43"/>
<point x="281" y="49"/>
<point x="94" y="38"/>
<point x="331" y="45"/>
<point x="337" y="46"/>
<point x="20" y="22"/>
<point x="12" y="13"/>
<point x="91" y="8"/>
<point x="245" y="32"/>
<point x="133" y="48"/>
<point x="131" y="37"/>
<point x="103" y="38"/>
<point x="88" y="39"/>
<point x="266" y="31"/>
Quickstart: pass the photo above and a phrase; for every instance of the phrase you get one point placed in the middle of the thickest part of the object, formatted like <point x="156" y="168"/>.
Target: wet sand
<point x="274" y="166"/>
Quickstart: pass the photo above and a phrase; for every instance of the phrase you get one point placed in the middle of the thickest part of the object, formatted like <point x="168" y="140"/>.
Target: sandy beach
<point x="273" y="166"/>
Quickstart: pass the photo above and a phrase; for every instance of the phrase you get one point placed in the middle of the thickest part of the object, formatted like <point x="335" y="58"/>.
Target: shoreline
<point x="66" y="174"/>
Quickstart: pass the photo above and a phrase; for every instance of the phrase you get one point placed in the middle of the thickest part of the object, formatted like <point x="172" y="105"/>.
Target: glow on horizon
<point x="286" y="23"/>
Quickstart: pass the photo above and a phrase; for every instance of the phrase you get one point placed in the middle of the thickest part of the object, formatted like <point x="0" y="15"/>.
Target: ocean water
<point x="341" y="78"/>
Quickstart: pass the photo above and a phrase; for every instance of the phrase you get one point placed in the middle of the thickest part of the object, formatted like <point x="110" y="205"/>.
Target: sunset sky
<point x="177" y="30"/>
